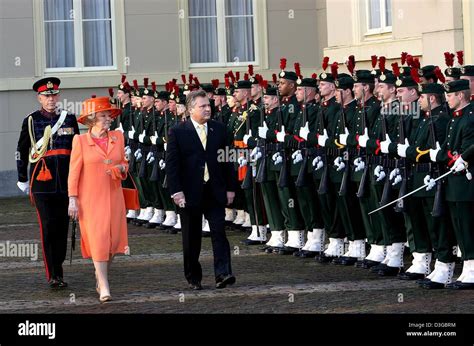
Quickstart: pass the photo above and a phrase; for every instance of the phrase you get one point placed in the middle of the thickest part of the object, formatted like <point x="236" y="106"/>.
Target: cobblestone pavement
<point x="151" y="280"/>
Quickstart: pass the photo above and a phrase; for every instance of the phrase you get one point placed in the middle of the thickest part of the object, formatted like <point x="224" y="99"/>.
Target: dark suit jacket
<point x="185" y="159"/>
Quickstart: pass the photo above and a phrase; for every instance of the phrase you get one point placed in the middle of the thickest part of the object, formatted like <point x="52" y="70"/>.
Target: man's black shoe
<point x="196" y="286"/>
<point x="53" y="283"/>
<point x="410" y="276"/>
<point x="431" y="285"/>
<point x="61" y="283"/>
<point x="222" y="282"/>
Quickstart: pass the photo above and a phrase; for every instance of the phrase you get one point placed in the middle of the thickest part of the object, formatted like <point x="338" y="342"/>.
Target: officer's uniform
<point x="48" y="177"/>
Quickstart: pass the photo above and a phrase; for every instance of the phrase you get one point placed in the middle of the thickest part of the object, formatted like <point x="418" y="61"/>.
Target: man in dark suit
<point x="200" y="182"/>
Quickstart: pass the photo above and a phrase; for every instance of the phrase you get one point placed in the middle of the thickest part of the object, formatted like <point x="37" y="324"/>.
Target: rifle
<point x="133" y="144"/>
<point x="283" y="177"/>
<point x="362" y="190"/>
<point x="142" y="171"/>
<point x="438" y="205"/>
<point x="247" y="182"/>
<point x="261" y="176"/>
<point x="345" y="176"/>
<point x="165" y="180"/>
<point x="301" y="179"/>
<point x="400" y="206"/>
<point x="323" y="184"/>
<point x="387" y="186"/>
<point x="155" y="173"/>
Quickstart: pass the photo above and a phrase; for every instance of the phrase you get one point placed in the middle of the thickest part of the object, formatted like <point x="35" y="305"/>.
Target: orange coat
<point x="102" y="215"/>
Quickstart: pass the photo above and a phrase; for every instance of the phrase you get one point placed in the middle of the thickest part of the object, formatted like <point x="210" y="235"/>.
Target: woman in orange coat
<point x="96" y="171"/>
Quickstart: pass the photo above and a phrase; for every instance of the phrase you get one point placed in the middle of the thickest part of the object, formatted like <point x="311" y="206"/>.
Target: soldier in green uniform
<point x="431" y="229"/>
<point x="467" y="73"/>
<point x="459" y="189"/>
<point x="451" y="73"/>
<point x="385" y="126"/>
<point x="318" y="136"/>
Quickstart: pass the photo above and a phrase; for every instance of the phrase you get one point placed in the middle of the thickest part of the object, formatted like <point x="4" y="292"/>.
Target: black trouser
<point x="191" y="227"/>
<point x="53" y="218"/>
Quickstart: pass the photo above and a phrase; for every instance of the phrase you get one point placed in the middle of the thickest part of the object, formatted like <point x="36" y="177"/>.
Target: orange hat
<point x="97" y="104"/>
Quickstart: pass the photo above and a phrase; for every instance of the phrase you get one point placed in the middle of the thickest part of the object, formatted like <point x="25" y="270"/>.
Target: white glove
<point x="120" y="128"/>
<point x="430" y="182"/>
<point x="393" y="173"/>
<point x="149" y="156"/>
<point x="304" y="132"/>
<point x="165" y="146"/>
<point x="131" y="133"/>
<point x="402" y="148"/>
<point x="162" y="164"/>
<point x="242" y="161"/>
<point x="262" y="130"/>
<point x="281" y="135"/>
<point x="246" y="137"/>
<point x="253" y="153"/>
<point x="128" y="151"/>
<point x="297" y="157"/>
<point x="138" y="154"/>
<point x="359" y="163"/>
<point x="364" y="138"/>
<point x="459" y="165"/>
<point x="154" y="138"/>
<point x="397" y="180"/>
<point x="277" y="159"/>
<point x="141" y="137"/>
<point x="379" y="173"/>
<point x="318" y="163"/>
<point x="343" y="136"/>
<point x="384" y="145"/>
<point x="339" y="164"/>
<point x="323" y="138"/>
<point x="434" y="152"/>
<point x="24" y="187"/>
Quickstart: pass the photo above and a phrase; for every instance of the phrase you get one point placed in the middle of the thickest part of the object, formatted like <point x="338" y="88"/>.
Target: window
<point x="221" y="32"/>
<point x="79" y="35"/>
<point x="379" y="16"/>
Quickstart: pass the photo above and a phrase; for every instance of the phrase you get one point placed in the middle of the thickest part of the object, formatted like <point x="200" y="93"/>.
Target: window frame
<point x="383" y="28"/>
<point x="259" y="22"/>
<point x="79" y="41"/>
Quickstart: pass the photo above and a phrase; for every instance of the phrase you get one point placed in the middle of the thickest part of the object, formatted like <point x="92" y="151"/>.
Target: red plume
<point x="135" y="84"/>
<point x="274" y="77"/>
<point x="440" y="75"/>
<point x="258" y="78"/>
<point x="145" y="82"/>
<point x="246" y="76"/>
<point x="176" y="90"/>
<point x="124" y="77"/>
<point x="93" y="96"/>
<point x="153" y="86"/>
<point x="374" y="60"/>
<point x="283" y="63"/>
<point x="325" y="63"/>
<point x="264" y="84"/>
<point x="215" y="83"/>
<point x="382" y="64"/>
<point x="227" y="81"/>
<point x="237" y="76"/>
<point x="232" y="76"/>
<point x="197" y="84"/>
<point x="396" y="69"/>
<point x="414" y="74"/>
<point x="251" y="70"/>
<point x="416" y="63"/>
<point x="460" y="56"/>
<point x="167" y="86"/>
<point x="183" y="78"/>
<point x="449" y="59"/>
<point x="314" y="76"/>
<point x="409" y="60"/>
<point x="404" y="58"/>
<point x="334" y="68"/>
<point x="111" y="92"/>
<point x="126" y="85"/>
<point x="351" y="64"/>
<point x="174" y="81"/>
<point x="190" y="79"/>
<point x="298" y="69"/>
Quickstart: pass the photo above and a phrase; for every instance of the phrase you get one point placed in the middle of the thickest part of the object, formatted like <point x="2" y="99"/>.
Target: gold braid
<point x="38" y="153"/>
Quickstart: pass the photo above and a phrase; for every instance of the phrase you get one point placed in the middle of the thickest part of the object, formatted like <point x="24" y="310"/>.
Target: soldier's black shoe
<point x="389" y="271"/>
<point x="174" y="231"/>
<point x="348" y="261"/>
<point x="205" y="234"/>
<point x="61" y="283"/>
<point x="298" y="253"/>
<point x="269" y="249"/>
<point x="252" y="242"/>
<point x="308" y="254"/>
<point x="150" y="225"/>
<point x="368" y="264"/>
<point x="322" y="258"/>
<point x="410" y="276"/>
<point x="431" y="285"/>
<point x="423" y="281"/>
<point x="377" y="267"/>
<point x="195" y="286"/>
<point x="223" y="281"/>
<point x="53" y="284"/>
<point x="337" y="260"/>
<point x="458" y="285"/>
<point x="287" y="250"/>
<point x="264" y="248"/>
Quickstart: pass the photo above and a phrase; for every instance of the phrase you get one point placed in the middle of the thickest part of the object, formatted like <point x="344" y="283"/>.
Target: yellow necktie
<point x="203" y="137"/>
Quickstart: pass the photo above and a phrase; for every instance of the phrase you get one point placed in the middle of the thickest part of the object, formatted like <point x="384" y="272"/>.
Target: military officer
<point x="46" y="142"/>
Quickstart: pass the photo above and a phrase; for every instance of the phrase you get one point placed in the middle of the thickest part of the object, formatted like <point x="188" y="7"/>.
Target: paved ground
<point x="150" y="280"/>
